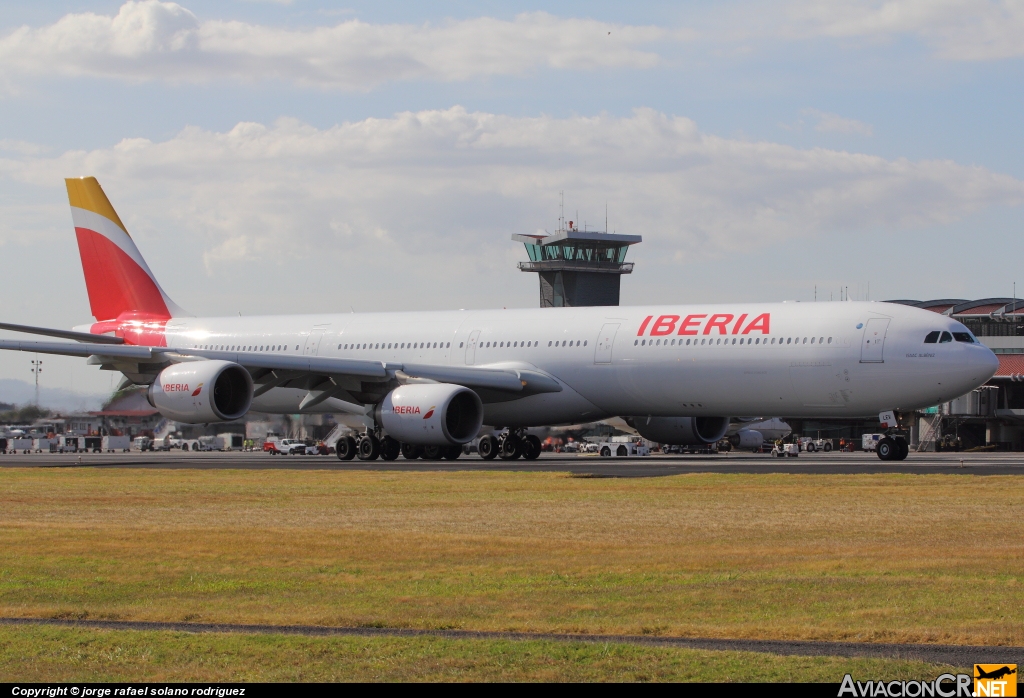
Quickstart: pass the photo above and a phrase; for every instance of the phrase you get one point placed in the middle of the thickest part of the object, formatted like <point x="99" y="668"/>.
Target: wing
<point x="363" y="381"/>
<point x="353" y="382"/>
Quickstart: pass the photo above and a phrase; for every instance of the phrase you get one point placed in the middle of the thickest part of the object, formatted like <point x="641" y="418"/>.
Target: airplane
<point x="423" y="383"/>
<point x="994" y="674"/>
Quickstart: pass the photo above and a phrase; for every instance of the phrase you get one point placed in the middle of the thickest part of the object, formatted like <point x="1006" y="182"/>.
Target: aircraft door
<point x="874" y="341"/>
<point x="313" y="341"/>
<point x="605" y="340"/>
<point x="471" y="347"/>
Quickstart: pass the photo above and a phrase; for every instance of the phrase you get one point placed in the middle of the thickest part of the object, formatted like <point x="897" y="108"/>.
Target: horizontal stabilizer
<point x="124" y="351"/>
<point x="63" y="334"/>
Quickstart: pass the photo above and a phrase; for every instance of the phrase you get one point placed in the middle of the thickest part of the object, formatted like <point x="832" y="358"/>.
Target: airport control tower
<point x="576" y="267"/>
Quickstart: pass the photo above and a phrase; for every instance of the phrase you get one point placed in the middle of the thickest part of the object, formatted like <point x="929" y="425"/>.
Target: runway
<point x="588" y="465"/>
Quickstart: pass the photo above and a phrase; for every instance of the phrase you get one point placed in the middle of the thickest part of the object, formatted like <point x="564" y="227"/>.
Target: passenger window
<point x="635" y="342"/>
<point x="643" y="343"/>
<point x="945" y="337"/>
<point x="585" y="342"/>
<point x="932" y="337"/>
<point x="460" y="345"/>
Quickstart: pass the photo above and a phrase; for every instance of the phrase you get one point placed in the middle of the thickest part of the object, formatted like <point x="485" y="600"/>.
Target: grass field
<point x="51" y="654"/>
<point x="897" y="558"/>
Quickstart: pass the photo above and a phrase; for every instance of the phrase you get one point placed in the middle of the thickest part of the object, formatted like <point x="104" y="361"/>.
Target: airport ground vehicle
<point x="811" y="445"/>
<point x="142" y="443"/>
<point x="286" y="447"/>
<point x="621" y="448"/>
<point x="115" y="443"/>
<point x="231" y="442"/>
<point x="80" y="444"/>
<point x="432" y="379"/>
<point x="869" y="442"/>
<point x="23" y="444"/>
<point x="786" y="450"/>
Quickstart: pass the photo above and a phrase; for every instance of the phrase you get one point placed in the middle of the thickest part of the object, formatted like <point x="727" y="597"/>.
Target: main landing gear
<point x="509" y="446"/>
<point x="893" y="448"/>
<point x="371" y="446"/>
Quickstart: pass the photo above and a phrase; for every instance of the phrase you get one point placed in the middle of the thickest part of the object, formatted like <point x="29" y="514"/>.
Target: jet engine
<point x="198" y="392"/>
<point x="681" y="431"/>
<point x="747" y="438"/>
<point x="431" y="414"/>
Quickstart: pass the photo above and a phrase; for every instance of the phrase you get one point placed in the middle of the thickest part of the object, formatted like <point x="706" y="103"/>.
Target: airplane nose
<point x="986" y="361"/>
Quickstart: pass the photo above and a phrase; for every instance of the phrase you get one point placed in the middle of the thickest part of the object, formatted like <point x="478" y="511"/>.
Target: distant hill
<point x="18" y="392"/>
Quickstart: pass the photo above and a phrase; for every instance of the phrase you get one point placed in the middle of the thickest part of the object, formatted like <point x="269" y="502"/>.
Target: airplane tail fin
<point x="117" y="277"/>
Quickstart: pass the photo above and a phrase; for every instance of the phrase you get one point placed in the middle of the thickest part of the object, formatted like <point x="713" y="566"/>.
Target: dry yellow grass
<point x="874" y="557"/>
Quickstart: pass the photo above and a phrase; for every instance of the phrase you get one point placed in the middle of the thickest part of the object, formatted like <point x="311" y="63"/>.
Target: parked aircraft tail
<point x="119" y="281"/>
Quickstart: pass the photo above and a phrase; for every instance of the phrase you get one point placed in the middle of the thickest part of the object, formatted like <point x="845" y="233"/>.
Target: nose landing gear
<point x="892" y="448"/>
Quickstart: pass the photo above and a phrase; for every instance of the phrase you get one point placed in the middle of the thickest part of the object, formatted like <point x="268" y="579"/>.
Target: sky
<point x="283" y="157"/>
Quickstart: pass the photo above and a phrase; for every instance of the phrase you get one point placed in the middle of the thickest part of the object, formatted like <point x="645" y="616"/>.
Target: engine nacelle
<point x="747" y="438"/>
<point x="198" y="392"/>
<point x="431" y="414"/>
<point x="681" y="431"/>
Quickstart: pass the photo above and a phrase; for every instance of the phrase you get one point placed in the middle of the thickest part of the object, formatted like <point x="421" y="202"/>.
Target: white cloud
<point x="149" y="39"/>
<point x="957" y="29"/>
<point x="451" y="185"/>
<point x="833" y="123"/>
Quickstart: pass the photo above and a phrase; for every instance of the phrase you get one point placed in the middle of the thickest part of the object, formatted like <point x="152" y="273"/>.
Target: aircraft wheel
<point x="411" y="451"/>
<point x="886" y="449"/>
<point x="368" y="448"/>
<point x="433" y="453"/>
<point x="452" y="452"/>
<point x="488" y="447"/>
<point x="345" y="449"/>
<point x="390" y="448"/>
<point x="531" y="447"/>
<point x="903" y="449"/>
<point x="509" y="446"/>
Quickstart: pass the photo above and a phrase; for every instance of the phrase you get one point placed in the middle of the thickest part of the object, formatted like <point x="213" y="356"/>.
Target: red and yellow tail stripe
<point x="121" y="285"/>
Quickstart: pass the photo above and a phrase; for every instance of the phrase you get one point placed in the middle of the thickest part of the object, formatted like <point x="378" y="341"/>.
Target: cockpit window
<point x="932" y="337"/>
<point x="963" y="337"/>
<point x="946" y="337"/>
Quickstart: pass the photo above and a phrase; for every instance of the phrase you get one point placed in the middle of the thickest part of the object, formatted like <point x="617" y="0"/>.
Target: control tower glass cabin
<point x="578" y="268"/>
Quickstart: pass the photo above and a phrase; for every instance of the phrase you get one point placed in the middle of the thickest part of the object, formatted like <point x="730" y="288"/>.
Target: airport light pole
<point x="37" y="368"/>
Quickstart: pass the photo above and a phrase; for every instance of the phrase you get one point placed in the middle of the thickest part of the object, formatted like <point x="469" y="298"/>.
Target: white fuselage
<point x="847" y="359"/>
